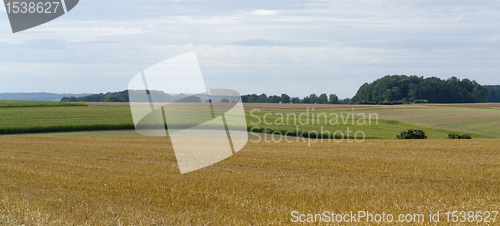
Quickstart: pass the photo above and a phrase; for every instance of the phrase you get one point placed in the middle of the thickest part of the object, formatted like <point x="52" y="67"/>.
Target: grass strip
<point x="24" y="104"/>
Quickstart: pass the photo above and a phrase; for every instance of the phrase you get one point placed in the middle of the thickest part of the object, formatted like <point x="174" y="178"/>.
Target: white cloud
<point x="98" y="31"/>
<point x="271" y="40"/>
<point x="213" y="21"/>
<point x="262" y="12"/>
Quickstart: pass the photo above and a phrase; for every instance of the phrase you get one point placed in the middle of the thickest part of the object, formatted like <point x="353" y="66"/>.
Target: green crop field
<point x="325" y="122"/>
<point x="332" y="121"/>
<point x="60" y="119"/>
<point x="22" y="104"/>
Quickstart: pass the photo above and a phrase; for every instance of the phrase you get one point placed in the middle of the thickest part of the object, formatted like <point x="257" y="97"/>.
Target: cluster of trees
<point x="123" y="96"/>
<point x="493" y="94"/>
<point x="411" y="89"/>
<point x="101" y="97"/>
<point x="284" y="98"/>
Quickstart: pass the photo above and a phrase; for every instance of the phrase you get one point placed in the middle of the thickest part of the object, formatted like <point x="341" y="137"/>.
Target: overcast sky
<point x="293" y="46"/>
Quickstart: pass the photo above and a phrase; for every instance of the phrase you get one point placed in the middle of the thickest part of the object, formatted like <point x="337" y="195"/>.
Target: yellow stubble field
<point x="99" y="180"/>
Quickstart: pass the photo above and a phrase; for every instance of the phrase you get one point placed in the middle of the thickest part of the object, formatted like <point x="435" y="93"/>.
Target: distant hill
<point x="38" y="96"/>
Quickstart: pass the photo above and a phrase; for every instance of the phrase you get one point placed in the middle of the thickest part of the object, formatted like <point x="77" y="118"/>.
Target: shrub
<point x="421" y="102"/>
<point x="453" y="136"/>
<point x="385" y="102"/>
<point x="70" y="99"/>
<point x="412" y="134"/>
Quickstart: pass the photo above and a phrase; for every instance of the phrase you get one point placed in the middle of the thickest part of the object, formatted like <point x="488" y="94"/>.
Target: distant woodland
<point x="389" y="90"/>
<point x="411" y="89"/>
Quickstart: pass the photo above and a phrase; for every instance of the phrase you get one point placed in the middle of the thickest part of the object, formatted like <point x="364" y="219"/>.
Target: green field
<point x="23" y="104"/>
<point x="63" y="119"/>
<point x="481" y="121"/>
<point x="335" y="121"/>
<point x="373" y="129"/>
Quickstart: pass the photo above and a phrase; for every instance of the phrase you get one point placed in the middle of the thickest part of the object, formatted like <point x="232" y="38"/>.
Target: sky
<point x="296" y="47"/>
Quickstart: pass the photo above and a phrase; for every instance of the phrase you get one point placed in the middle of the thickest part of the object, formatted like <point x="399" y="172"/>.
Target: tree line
<point x="493" y="94"/>
<point x="101" y="97"/>
<point x="399" y="89"/>
<point x="391" y="89"/>
<point x="284" y="98"/>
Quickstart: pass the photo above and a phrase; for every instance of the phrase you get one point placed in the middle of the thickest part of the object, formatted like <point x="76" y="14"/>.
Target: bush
<point x="385" y="102"/>
<point x="412" y="134"/>
<point x="421" y="102"/>
<point x="453" y="136"/>
<point x="70" y="99"/>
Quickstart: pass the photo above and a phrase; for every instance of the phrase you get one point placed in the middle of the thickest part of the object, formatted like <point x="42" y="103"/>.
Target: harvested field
<point x="95" y="180"/>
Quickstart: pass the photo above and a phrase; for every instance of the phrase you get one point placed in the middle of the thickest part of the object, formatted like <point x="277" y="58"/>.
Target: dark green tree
<point x="113" y="97"/>
<point x="262" y="98"/>
<point x="322" y="99"/>
<point x="285" y="99"/>
<point x="334" y="99"/>
<point x="274" y="99"/>
<point x="313" y="99"/>
<point x="70" y="99"/>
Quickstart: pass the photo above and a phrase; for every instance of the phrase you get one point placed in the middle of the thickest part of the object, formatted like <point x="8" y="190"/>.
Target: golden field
<point x="105" y="180"/>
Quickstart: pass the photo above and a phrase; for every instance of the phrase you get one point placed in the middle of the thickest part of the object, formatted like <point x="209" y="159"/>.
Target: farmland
<point x="24" y="104"/>
<point x="465" y="119"/>
<point x="52" y="119"/>
<point x="100" y="116"/>
<point x="118" y="177"/>
<point x="99" y="180"/>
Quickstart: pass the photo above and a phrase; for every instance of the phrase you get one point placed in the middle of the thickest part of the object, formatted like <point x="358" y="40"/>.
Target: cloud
<point x="283" y="42"/>
<point x="213" y="21"/>
<point x="262" y="12"/>
<point x="98" y="31"/>
<point x="340" y="43"/>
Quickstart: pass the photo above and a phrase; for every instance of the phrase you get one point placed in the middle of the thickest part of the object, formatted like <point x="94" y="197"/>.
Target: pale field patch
<point x="482" y="121"/>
